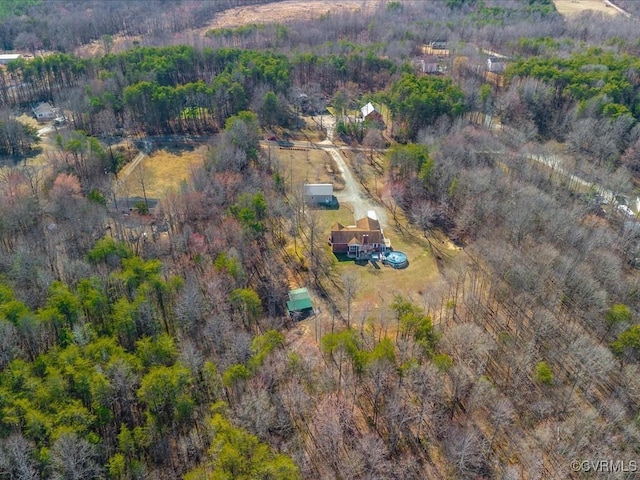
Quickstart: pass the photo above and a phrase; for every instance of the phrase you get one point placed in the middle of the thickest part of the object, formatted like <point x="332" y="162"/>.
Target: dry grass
<point x="26" y="119"/>
<point x="311" y="130"/>
<point x="163" y="171"/>
<point x="379" y="285"/>
<point x="282" y="12"/>
<point x="572" y="7"/>
<point x="306" y="166"/>
<point x="343" y="215"/>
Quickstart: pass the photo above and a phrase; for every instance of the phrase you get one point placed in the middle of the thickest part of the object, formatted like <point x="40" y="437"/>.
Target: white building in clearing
<point x="496" y="64"/>
<point x="9" y="57"/>
<point x="44" y="111"/>
<point x="316" y="193"/>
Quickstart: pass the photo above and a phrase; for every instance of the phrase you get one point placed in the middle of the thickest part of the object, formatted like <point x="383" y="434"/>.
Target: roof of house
<point x="366" y="230"/>
<point x="368" y="109"/>
<point x="299" y="300"/>
<point x="10" y="56"/>
<point x="43" y="107"/>
<point x="368" y="223"/>
<point x="318" y="189"/>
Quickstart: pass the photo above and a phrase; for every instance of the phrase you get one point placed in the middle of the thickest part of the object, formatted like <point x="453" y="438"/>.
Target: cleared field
<point x="162" y="171"/>
<point x="571" y="7"/>
<point x="305" y="166"/>
<point x="282" y="12"/>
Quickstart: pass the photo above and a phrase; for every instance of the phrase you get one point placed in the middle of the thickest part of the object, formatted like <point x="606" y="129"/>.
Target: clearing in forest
<point x="303" y="165"/>
<point x="377" y="285"/>
<point x="571" y="7"/>
<point x="282" y="12"/>
<point x="162" y="171"/>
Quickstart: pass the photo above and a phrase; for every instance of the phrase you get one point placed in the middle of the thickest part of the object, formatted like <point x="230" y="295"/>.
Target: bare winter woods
<point x="153" y="340"/>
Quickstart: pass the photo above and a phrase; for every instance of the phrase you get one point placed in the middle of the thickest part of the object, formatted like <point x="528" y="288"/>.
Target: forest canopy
<point x="416" y="102"/>
<point x="150" y="338"/>
<point x="588" y="75"/>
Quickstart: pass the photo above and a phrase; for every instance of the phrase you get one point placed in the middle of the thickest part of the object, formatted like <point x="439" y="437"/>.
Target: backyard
<point x="377" y="284"/>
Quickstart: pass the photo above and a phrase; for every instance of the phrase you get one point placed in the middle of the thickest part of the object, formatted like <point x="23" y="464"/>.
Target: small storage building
<point x="318" y="193"/>
<point x="9" y="57"/>
<point x="299" y="301"/>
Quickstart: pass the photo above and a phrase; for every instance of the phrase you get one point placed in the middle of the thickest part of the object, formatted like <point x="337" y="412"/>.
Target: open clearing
<point x="162" y="170"/>
<point x="277" y="12"/>
<point x="379" y="284"/>
<point x="282" y="12"/>
<point x="570" y="7"/>
<point x="309" y="165"/>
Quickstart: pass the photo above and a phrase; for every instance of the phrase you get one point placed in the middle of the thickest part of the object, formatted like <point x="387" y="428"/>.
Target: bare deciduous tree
<point x="350" y="286"/>
<point x="17" y="460"/>
<point x="467" y="450"/>
<point x="73" y="458"/>
<point x="9" y="343"/>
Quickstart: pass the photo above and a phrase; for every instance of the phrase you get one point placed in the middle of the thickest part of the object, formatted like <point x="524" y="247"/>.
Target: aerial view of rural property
<point x="319" y="239"/>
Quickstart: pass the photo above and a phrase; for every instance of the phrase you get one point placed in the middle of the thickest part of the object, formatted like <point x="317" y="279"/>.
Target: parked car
<point x="626" y="210"/>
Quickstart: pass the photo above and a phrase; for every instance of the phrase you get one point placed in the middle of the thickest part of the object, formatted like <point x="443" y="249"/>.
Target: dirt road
<point x="352" y="193"/>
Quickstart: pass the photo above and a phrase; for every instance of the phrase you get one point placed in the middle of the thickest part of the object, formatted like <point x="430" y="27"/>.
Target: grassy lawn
<point x="379" y="284"/>
<point x="328" y="217"/>
<point x="162" y="171"/>
<point x="309" y="166"/>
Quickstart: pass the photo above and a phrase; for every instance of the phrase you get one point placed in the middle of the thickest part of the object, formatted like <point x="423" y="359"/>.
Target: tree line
<point x="174" y="89"/>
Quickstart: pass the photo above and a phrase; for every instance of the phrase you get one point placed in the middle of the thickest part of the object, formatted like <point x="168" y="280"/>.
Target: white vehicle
<point x="626" y="210"/>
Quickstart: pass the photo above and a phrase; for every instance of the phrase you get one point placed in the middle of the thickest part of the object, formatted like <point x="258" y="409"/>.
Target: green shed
<point x="299" y="300"/>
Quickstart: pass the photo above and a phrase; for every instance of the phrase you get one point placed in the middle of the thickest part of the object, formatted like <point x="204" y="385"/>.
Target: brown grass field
<point x="379" y="285"/>
<point x="276" y="12"/>
<point x="308" y="166"/>
<point x="163" y="170"/>
<point x="571" y="7"/>
<point x="282" y="12"/>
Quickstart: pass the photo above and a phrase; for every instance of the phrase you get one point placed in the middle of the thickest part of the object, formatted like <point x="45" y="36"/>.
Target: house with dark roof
<point x="359" y="240"/>
<point x="430" y="67"/>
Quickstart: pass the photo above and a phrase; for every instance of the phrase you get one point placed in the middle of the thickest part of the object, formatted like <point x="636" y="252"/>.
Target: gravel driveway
<point x="352" y="193"/>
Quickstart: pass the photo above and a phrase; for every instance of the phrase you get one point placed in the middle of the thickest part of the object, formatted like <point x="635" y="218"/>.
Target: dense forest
<point x="157" y="344"/>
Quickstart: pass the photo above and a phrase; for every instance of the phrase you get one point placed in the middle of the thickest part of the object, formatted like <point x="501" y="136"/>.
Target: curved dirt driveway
<point x="352" y="193"/>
